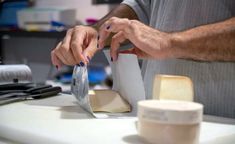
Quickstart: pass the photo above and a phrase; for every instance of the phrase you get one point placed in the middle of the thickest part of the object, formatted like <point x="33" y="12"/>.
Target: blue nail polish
<point x="111" y="59"/>
<point x="108" y="27"/>
<point x="81" y="64"/>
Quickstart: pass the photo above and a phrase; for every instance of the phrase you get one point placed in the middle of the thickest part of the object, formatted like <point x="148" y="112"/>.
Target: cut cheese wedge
<point x="173" y="88"/>
<point x="108" y="101"/>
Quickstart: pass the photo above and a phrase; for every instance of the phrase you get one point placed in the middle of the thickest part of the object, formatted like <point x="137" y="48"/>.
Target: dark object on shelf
<point x="106" y="1"/>
<point x="37" y="34"/>
<point x="22" y="91"/>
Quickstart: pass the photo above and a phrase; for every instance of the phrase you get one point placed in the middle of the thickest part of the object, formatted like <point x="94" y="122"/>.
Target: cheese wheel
<point x="170" y="111"/>
<point x="169" y="122"/>
<point x="108" y="101"/>
<point x="172" y="88"/>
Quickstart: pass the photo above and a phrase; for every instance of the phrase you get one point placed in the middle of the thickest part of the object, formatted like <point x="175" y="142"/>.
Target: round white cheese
<point x="169" y="122"/>
<point x="170" y="111"/>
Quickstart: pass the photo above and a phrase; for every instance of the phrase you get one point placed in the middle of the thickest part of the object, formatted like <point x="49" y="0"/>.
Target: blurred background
<point x="30" y="29"/>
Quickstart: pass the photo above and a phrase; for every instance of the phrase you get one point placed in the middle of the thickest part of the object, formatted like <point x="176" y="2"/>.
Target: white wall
<point x="84" y="8"/>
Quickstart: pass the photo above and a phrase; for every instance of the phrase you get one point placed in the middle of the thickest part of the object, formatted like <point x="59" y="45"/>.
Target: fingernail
<point x="98" y="37"/>
<point x="97" y="45"/>
<point x="81" y="64"/>
<point x="111" y="59"/>
<point x="108" y="27"/>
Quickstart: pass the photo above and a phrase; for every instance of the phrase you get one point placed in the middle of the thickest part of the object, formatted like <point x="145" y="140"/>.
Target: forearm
<point x="213" y="42"/>
<point x="121" y="11"/>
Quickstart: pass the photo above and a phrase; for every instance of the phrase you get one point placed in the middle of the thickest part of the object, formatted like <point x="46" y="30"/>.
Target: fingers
<point x="103" y="35"/>
<point x="64" y="54"/>
<point x="113" y="25"/>
<point x="117" y="39"/>
<point x="78" y="46"/>
<point x="89" y="52"/>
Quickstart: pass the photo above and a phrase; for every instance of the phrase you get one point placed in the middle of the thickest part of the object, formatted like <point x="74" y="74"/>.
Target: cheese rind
<point x="173" y="88"/>
<point x="170" y="111"/>
<point x="169" y="121"/>
<point x="108" y="101"/>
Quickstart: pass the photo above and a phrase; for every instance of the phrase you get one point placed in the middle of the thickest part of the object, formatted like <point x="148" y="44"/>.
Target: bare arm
<point x="121" y="11"/>
<point x="213" y="42"/>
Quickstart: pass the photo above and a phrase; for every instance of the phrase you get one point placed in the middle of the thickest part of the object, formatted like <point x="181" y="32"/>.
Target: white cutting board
<point x="60" y="120"/>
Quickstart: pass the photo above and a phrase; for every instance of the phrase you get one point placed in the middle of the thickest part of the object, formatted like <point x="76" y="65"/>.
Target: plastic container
<point x="169" y="121"/>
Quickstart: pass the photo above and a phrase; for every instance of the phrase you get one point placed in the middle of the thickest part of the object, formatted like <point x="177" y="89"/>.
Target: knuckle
<point x="69" y="62"/>
<point x="53" y="53"/>
<point x="63" y="49"/>
<point x="69" y="31"/>
<point x="126" y="19"/>
<point x="133" y="22"/>
<point x="73" y="45"/>
<point x="77" y="28"/>
<point x="107" y="22"/>
<point x="113" y="18"/>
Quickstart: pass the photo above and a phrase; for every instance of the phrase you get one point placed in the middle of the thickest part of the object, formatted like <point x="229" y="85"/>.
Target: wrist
<point x="177" y="45"/>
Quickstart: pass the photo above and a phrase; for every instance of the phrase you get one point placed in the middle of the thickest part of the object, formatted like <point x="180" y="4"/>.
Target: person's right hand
<point x="78" y="47"/>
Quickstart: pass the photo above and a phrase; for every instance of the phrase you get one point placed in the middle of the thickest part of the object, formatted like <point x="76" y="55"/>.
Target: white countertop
<point x="60" y="120"/>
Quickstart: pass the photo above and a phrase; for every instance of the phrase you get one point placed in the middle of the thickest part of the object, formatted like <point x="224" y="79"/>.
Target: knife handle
<point x="52" y="91"/>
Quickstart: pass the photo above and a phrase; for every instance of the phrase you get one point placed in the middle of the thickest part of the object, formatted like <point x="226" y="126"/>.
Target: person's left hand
<point x="148" y="42"/>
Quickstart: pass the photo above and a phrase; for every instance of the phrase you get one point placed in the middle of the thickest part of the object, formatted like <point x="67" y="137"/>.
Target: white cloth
<point x="214" y="82"/>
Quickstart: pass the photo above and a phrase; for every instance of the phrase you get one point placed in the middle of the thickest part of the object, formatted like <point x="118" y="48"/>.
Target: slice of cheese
<point x="173" y="87"/>
<point x="108" y="101"/>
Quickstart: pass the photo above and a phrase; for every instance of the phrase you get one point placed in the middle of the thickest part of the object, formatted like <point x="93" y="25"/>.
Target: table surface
<point x="59" y="119"/>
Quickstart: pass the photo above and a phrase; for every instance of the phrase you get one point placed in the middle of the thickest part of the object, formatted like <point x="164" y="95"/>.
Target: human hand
<point x="78" y="47"/>
<point x="149" y="42"/>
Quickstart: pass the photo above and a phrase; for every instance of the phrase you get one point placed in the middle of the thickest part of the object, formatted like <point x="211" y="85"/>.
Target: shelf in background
<point x="39" y="34"/>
